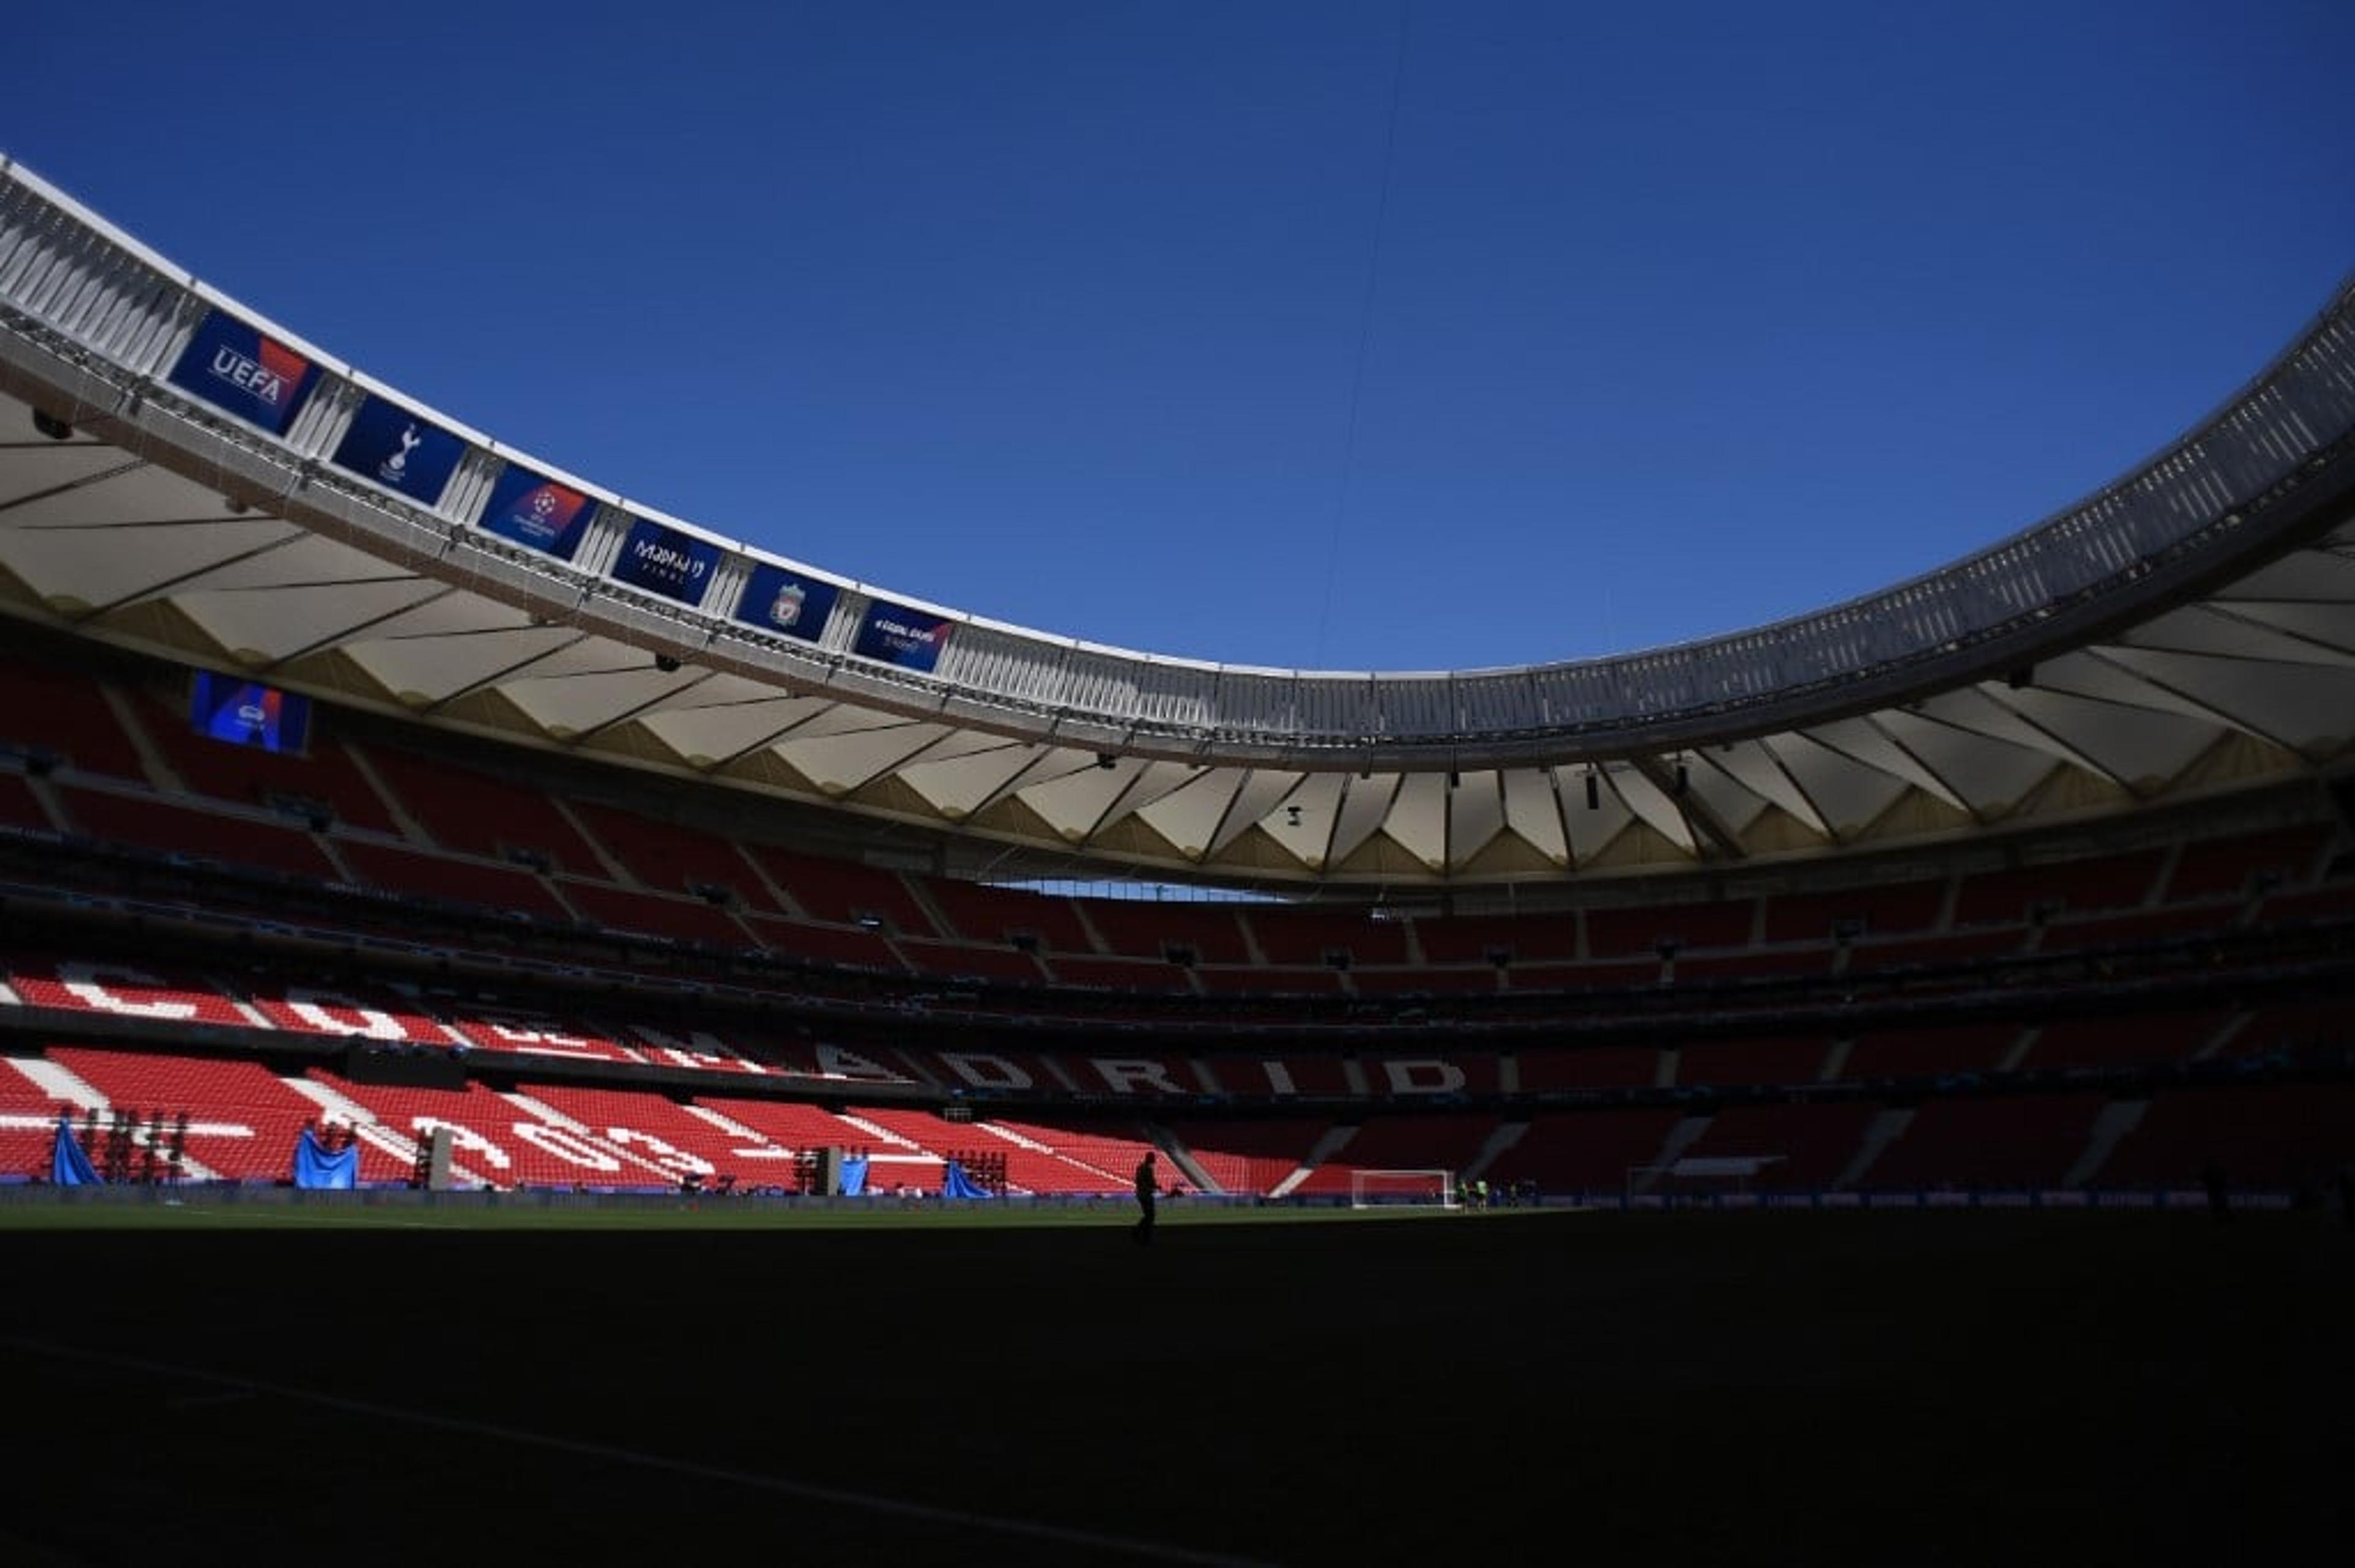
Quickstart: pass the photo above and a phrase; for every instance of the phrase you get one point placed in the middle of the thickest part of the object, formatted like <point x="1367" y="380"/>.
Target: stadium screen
<point x="248" y="713"/>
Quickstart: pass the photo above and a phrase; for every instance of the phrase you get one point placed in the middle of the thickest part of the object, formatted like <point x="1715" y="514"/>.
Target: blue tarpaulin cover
<point x="69" y="1167"/>
<point x="314" y="1167"/>
<point x="854" y="1177"/>
<point x="955" y="1183"/>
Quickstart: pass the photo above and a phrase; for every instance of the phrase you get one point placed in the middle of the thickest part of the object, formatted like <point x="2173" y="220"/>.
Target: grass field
<point x="1517" y="1387"/>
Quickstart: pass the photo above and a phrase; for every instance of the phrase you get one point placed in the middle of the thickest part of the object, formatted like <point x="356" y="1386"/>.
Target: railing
<point x="83" y="293"/>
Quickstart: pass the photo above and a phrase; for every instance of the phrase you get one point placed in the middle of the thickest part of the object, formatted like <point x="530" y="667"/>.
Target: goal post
<point x="1403" y="1189"/>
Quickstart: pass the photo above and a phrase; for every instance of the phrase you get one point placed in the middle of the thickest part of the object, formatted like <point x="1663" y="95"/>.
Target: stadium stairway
<point x="1506" y="1136"/>
<point x="1179" y="1154"/>
<point x="1334" y="1140"/>
<point x="2117" y="1118"/>
<point x="1879" y="1134"/>
<point x="1682" y="1136"/>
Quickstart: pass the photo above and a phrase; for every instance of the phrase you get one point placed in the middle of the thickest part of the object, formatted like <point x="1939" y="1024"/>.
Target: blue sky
<point x="1353" y="335"/>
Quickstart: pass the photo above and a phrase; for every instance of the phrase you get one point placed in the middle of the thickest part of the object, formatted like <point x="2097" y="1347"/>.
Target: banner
<point x="318" y="1170"/>
<point x="388" y="445"/>
<point x="793" y="602"/>
<point x="537" y="511"/>
<point x="895" y="635"/>
<point x="665" y="561"/>
<point x="233" y="367"/>
<point x="68" y="1166"/>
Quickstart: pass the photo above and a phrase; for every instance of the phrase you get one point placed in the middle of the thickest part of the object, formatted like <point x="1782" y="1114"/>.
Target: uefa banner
<point x="237" y="369"/>
<point x="388" y="445"/>
<point x="895" y="635"/>
<point x="535" y="510"/>
<point x="665" y="561"/>
<point x="793" y="602"/>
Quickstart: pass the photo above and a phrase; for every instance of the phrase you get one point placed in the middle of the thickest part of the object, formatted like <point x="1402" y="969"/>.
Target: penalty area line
<point x="779" y="1486"/>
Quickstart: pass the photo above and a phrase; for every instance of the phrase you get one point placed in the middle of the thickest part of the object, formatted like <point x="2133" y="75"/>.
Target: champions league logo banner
<point x="777" y="600"/>
<point x="665" y="561"/>
<point x="895" y="635"/>
<point x="538" y="512"/>
<point x="388" y="445"/>
<point x="233" y="367"/>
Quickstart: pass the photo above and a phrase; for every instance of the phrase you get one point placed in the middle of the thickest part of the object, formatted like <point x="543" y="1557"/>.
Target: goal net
<point x="1403" y="1189"/>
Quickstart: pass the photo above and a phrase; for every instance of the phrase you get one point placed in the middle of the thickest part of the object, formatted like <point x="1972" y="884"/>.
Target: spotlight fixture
<point x="2021" y="678"/>
<point x="1105" y="760"/>
<point x="666" y="664"/>
<point x="48" y="424"/>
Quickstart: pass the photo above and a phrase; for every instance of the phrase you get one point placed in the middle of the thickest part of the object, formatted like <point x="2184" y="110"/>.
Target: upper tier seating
<point x="482" y="814"/>
<point x="65" y="713"/>
<point x="1625" y="933"/>
<point x="1769" y="1060"/>
<point x="2129" y="1040"/>
<point x="2003" y="898"/>
<point x="1474" y="939"/>
<point x="1930" y="1052"/>
<point x="19" y="807"/>
<point x="1589" y="1067"/>
<point x="1311" y="937"/>
<point x="1423" y="980"/>
<point x="1118" y="973"/>
<point x="965" y="961"/>
<point x="1890" y="910"/>
<point x="843" y="946"/>
<point x="680" y="919"/>
<point x="843" y="893"/>
<point x="2236" y="866"/>
<point x="1256" y="980"/>
<point x="152" y="823"/>
<point x="672" y="858"/>
<point x="487" y="884"/>
<point x="1211" y="932"/>
<point x="995" y="917"/>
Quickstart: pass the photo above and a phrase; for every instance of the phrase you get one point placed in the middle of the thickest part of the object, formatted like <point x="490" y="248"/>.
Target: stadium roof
<point x="181" y="477"/>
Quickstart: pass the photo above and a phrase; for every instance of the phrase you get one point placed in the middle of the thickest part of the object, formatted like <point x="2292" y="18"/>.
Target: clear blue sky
<point x="1650" y="325"/>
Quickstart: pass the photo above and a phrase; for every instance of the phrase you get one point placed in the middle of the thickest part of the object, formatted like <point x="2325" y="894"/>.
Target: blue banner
<point x="233" y="367"/>
<point x="318" y="1170"/>
<point x="535" y="510"/>
<point x="69" y="1167"/>
<point x="665" y="561"/>
<point x="955" y="1183"/>
<point x="895" y="635"/>
<point x="793" y="602"/>
<point x="388" y="445"/>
